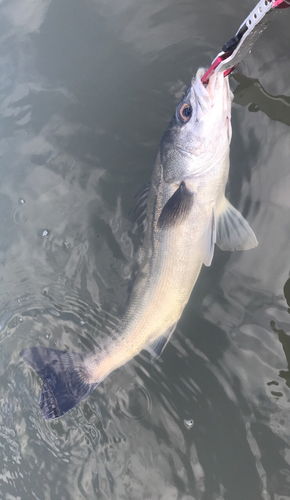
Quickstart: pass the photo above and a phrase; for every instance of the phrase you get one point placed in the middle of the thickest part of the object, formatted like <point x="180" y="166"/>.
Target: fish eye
<point x="185" y="112"/>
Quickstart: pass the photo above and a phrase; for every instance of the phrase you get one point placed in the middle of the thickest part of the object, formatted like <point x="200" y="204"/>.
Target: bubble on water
<point x="45" y="233"/>
<point x="22" y="201"/>
<point x="19" y="301"/>
<point x="19" y="216"/>
<point x="20" y="319"/>
<point x="47" y="335"/>
<point x="189" y="423"/>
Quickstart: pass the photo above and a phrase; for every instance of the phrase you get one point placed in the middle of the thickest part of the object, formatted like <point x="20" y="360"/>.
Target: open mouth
<point x="216" y="84"/>
<point x="201" y="91"/>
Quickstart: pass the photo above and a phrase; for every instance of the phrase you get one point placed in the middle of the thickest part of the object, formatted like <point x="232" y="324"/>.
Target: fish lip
<point x="203" y="99"/>
<point x="216" y="85"/>
<point x="201" y="105"/>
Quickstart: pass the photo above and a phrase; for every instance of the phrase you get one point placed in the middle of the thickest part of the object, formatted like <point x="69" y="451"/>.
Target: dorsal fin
<point x="138" y="212"/>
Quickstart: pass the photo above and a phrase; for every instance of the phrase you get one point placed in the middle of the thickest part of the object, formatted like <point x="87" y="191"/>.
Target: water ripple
<point x="133" y="401"/>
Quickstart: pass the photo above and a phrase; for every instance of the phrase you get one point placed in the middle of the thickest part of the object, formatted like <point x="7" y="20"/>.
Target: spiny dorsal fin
<point x="139" y="209"/>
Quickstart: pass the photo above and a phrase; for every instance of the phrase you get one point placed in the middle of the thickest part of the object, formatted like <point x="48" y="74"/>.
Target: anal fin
<point x="157" y="347"/>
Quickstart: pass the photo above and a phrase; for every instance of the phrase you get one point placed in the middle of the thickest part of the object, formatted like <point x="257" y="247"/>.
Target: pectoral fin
<point x="157" y="347"/>
<point x="233" y="231"/>
<point x="177" y="207"/>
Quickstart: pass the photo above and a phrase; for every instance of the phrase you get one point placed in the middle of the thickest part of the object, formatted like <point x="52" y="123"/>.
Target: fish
<point x="180" y="215"/>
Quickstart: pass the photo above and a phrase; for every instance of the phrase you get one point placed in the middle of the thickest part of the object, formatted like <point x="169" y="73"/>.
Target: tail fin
<point x="64" y="379"/>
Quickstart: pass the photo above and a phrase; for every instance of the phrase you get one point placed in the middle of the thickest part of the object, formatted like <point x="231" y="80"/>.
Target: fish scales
<point x="186" y="215"/>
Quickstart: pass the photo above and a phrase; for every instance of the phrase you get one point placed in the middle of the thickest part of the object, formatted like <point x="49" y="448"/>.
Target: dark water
<point x="87" y="89"/>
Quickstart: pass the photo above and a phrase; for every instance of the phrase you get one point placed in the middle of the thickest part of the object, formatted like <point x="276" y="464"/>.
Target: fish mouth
<point x="207" y="94"/>
<point x="214" y="98"/>
<point x="201" y="93"/>
<point x="216" y="84"/>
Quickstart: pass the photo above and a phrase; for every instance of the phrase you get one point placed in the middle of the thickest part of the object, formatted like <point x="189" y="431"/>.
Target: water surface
<point x="87" y="89"/>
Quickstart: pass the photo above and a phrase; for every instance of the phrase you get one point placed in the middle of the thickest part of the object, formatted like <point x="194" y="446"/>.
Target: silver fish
<point x="183" y="213"/>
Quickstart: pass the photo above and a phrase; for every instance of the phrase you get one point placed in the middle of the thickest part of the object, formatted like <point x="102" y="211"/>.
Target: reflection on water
<point x="87" y="90"/>
<point x="250" y="91"/>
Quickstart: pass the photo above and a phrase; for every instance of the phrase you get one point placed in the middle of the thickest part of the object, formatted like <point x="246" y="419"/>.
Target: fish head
<point x="200" y="130"/>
